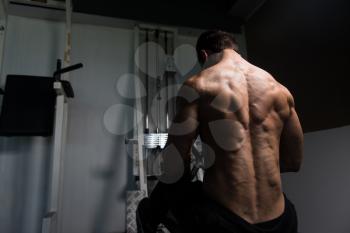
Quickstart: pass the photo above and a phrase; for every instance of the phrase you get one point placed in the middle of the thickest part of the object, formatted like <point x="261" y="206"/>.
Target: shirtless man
<point x="249" y="123"/>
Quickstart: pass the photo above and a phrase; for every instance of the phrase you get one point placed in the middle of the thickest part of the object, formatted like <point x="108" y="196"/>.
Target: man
<point x="248" y="123"/>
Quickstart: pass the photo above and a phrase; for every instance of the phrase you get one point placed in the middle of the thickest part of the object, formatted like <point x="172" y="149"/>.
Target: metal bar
<point x="3" y="25"/>
<point x="147" y="85"/>
<point x="139" y="130"/>
<point x="52" y="221"/>
<point x="158" y="82"/>
<point x="52" y="5"/>
<point x="156" y="27"/>
<point x="62" y="162"/>
<point x="166" y="83"/>
<point x="68" y="69"/>
<point x="174" y="44"/>
<point x="66" y="63"/>
<point x="68" y="48"/>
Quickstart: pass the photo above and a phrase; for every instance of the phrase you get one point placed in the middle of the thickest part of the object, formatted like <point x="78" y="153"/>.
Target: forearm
<point x="291" y="154"/>
<point x="290" y="163"/>
<point x="166" y="196"/>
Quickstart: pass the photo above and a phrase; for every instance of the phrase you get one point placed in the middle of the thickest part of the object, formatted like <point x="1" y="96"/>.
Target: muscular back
<point x="243" y="113"/>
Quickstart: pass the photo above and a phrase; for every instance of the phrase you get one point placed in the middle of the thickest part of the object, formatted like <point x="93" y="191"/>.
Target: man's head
<point x="214" y="41"/>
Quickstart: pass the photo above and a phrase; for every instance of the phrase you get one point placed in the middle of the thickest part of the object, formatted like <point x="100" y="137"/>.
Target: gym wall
<point x="305" y="45"/>
<point x="31" y="47"/>
<point x="97" y="169"/>
<point x="320" y="191"/>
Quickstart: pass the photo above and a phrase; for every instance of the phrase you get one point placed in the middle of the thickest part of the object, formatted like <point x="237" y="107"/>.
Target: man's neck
<point x="225" y="55"/>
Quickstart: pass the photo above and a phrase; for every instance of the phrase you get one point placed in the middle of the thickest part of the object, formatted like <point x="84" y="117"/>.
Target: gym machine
<point x="159" y="75"/>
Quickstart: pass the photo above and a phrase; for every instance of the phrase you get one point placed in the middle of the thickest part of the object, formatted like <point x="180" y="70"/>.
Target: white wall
<point x="321" y="190"/>
<point x="96" y="165"/>
<point x="97" y="170"/>
<point x="31" y="48"/>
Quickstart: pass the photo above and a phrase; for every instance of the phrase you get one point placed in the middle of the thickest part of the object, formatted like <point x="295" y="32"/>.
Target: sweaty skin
<point x="248" y="119"/>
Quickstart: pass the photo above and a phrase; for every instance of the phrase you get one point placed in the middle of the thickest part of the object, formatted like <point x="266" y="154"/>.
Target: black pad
<point x="28" y="106"/>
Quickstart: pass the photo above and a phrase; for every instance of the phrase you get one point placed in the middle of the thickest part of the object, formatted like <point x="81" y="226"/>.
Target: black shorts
<point x="189" y="210"/>
<point x="204" y="215"/>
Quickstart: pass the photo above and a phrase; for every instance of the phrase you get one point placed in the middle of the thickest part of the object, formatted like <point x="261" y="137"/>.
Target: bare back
<point x="242" y="111"/>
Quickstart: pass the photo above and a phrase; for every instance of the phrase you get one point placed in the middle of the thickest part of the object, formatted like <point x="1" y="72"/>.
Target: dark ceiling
<point x="203" y="14"/>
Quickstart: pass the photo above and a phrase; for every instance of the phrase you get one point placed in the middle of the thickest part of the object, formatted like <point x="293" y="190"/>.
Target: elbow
<point x="295" y="167"/>
<point x="290" y="170"/>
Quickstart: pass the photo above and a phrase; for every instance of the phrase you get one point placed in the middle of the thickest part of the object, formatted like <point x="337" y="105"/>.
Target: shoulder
<point x="191" y="89"/>
<point x="195" y="82"/>
<point x="286" y="94"/>
<point x="282" y="91"/>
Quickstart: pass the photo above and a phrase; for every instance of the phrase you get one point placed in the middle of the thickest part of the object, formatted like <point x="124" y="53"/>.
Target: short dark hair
<point x="214" y="41"/>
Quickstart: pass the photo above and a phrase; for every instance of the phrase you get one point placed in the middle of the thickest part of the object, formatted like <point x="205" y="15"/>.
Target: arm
<point x="291" y="142"/>
<point x="173" y="183"/>
<point x="182" y="133"/>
